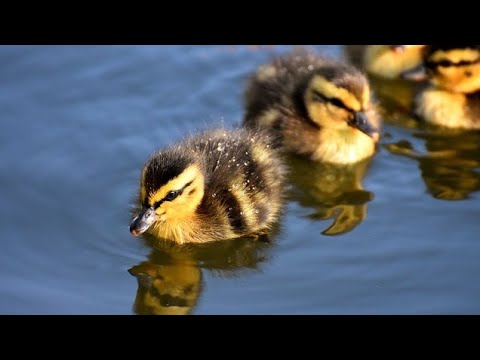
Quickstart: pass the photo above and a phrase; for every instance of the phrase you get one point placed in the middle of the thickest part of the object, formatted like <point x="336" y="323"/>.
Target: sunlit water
<point x="399" y="234"/>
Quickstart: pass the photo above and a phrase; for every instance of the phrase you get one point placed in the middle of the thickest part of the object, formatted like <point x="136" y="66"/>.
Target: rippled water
<point x="396" y="235"/>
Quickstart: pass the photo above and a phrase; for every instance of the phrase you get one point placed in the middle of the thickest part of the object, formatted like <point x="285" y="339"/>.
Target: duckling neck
<point x="180" y="230"/>
<point x="448" y="109"/>
<point x="343" y="146"/>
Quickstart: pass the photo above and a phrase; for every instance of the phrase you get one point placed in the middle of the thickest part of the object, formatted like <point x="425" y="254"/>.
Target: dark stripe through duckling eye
<point x="172" y="195"/>
<point x="448" y="63"/>
<point x="335" y="101"/>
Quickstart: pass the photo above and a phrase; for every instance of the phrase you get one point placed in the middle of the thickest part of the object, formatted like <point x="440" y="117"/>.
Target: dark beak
<point x="143" y="221"/>
<point x="362" y="123"/>
<point x="397" y="48"/>
<point x="417" y="73"/>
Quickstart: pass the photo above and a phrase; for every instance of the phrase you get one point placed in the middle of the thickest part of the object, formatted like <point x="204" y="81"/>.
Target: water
<point x="398" y="235"/>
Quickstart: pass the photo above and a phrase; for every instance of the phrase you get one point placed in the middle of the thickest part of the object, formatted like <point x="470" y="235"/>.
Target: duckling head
<point x="338" y="98"/>
<point x="388" y="61"/>
<point x="172" y="187"/>
<point x="454" y="68"/>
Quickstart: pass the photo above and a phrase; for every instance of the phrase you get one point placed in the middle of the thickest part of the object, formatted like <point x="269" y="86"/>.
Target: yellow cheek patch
<point x="456" y="55"/>
<point x="191" y="173"/>
<point x="366" y="97"/>
<point x="329" y="90"/>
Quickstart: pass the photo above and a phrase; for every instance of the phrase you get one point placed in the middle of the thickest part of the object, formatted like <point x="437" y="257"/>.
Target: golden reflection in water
<point x="396" y="97"/>
<point x="450" y="164"/>
<point x="170" y="281"/>
<point x="331" y="191"/>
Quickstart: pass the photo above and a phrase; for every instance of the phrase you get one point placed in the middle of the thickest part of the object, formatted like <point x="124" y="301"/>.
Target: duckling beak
<point x="362" y="123"/>
<point x="417" y="73"/>
<point x="143" y="221"/>
<point x="397" y="49"/>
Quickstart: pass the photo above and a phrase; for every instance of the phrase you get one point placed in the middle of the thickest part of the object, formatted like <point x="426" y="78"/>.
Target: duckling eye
<point x="171" y="195"/>
<point x="337" y="103"/>
<point x="444" y="63"/>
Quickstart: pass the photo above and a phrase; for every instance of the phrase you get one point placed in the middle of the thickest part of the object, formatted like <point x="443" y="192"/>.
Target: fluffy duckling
<point x="385" y="61"/>
<point x="453" y="98"/>
<point x="320" y="108"/>
<point x="217" y="185"/>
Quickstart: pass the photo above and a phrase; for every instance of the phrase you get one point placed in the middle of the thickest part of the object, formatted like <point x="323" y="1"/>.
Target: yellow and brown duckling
<point x="319" y="107"/>
<point x="218" y="185"/>
<point x="385" y="61"/>
<point x="453" y="98"/>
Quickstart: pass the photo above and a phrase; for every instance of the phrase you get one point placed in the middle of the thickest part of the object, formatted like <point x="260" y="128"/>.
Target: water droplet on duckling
<point x="238" y="164"/>
<point x="256" y="211"/>
<point x="214" y="195"/>
<point x="220" y="147"/>
<point x="246" y="163"/>
<point x="310" y="67"/>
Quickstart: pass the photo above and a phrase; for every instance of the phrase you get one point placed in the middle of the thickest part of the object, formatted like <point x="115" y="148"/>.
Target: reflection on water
<point x="170" y="282"/>
<point x="396" y="97"/>
<point x="450" y="167"/>
<point x="331" y="191"/>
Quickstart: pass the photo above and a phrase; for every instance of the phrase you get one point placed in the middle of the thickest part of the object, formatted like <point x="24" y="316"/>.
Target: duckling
<point x="453" y="98"/>
<point x="217" y="185"/>
<point x="385" y="61"/>
<point x="320" y="108"/>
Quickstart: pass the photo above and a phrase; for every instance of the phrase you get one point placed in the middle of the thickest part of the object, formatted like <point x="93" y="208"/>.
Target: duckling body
<point x="385" y="61"/>
<point x="217" y="185"/>
<point x="447" y="109"/>
<point x="453" y="98"/>
<point x="319" y="107"/>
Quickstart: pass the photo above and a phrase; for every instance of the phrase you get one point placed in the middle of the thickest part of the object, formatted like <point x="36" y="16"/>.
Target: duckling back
<point x="231" y="186"/>
<point x="246" y="178"/>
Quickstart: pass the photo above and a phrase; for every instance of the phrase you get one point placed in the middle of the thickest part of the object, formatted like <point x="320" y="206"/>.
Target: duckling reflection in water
<point x="170" y="282"/>
<point x="214" y="186"/>
<point x="451" y="166"/>
<point x="319" y="107"/>
<point x="453" y="98"/>
<point x="333" y="191"/>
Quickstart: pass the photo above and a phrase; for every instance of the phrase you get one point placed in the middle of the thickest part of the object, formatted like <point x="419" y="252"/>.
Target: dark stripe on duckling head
<point x="346" y="77"/>
<point x="172" y="195"/>
<point x="234" y="211"/>
<point x="337" y="102"/>
<point x="448" y="63"/>
<point x="162" y="168"/>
